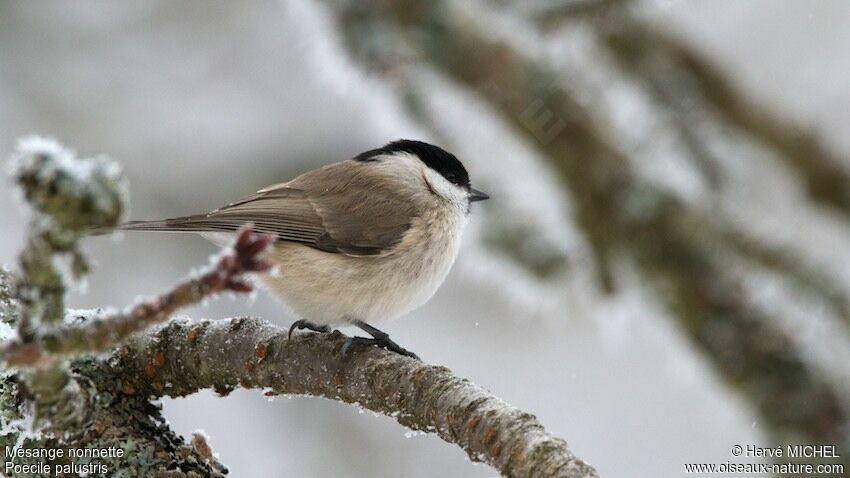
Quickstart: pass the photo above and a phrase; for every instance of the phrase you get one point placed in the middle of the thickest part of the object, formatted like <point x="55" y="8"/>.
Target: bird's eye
<point x="452" y="178"/>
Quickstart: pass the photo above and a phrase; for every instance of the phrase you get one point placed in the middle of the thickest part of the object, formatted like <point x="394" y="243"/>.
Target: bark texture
<point x="183" y="357"/>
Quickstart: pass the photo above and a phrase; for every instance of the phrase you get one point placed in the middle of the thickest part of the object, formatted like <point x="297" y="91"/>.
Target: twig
<point x="69" y="196"/>
<point x="183" y="357"/>
<point x="101" y="334"/>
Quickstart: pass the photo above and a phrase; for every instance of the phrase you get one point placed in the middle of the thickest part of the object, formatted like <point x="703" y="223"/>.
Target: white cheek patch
<point x="448" y="191"/>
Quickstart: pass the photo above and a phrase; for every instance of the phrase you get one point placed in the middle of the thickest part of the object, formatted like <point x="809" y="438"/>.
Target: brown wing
<point x="357" y="215"/>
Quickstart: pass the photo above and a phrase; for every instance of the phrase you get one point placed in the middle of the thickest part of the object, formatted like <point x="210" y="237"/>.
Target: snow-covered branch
<point x="104" y="333"/>
<point x="69" y="197"/>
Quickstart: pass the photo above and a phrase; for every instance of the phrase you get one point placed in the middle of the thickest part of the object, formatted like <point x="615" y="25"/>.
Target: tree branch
<point x="104" y="333"/>
<point x="183" y="357"/>
<point x="69" y="196"/>
<point x="49" y="404"/>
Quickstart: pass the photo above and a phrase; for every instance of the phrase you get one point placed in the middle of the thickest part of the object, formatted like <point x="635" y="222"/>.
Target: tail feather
<point x="196" y="223"/>
<point x="179" y="224"/>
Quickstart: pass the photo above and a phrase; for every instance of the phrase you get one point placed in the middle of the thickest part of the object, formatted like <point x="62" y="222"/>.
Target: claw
<point x="306" y="324"/>
<point x="372" y="342"/>
<point x="346" y="346"/>
<point x="379" y="339"/>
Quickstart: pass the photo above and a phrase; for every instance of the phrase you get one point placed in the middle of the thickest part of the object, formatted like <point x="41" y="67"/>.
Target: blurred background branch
<point x="680" y="246"/>
<point x="683" y="81"/>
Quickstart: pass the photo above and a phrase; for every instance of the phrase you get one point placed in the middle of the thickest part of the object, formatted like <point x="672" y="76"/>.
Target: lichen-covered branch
<point x="9" y="307"/>
<point x="48" y="404"/>
<point x="183" y="357"/>
<point x="144" y="445"/>
<point x="103" y="333"/>
<point x="69" y="196"/>
<point x="105" y="416"/>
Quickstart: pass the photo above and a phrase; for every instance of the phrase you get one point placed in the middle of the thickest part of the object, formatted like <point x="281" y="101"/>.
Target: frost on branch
<point x="69" y="197"/>
<point x="45" y="402"/>
<point x="102" y="333"/>
<point x="183" y="356"/>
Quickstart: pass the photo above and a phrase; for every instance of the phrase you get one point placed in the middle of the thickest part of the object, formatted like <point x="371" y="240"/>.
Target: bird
<point x="357" y="242"/>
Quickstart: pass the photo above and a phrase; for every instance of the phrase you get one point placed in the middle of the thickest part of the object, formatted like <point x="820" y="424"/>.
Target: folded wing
<point x="342" y="208"/>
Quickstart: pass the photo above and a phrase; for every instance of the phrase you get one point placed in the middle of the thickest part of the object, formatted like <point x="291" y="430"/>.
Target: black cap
<point x="434" y="157"/>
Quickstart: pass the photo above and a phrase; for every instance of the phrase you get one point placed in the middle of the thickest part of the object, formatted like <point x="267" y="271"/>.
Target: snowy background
<point x="204" y="102"/>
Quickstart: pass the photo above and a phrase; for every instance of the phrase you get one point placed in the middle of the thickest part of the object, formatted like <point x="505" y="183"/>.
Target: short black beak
<point x="476" y="195"/>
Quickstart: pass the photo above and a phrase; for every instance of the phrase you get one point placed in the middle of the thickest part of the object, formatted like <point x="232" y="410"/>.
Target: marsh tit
<point x="358" y="241"/>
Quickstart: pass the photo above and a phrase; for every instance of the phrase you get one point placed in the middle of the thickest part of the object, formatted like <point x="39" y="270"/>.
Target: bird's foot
<point x="306" y="324"/>
<point x="379" y="339"/>
<point x="386" y="344"/>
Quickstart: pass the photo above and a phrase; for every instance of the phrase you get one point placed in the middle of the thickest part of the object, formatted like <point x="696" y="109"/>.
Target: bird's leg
<point x="306" y="324"/>
<point x="379" y="338"/>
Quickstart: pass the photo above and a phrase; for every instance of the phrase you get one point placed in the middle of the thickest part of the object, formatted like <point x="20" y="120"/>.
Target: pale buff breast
<point x="332" y="288"/>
